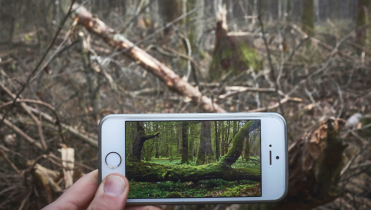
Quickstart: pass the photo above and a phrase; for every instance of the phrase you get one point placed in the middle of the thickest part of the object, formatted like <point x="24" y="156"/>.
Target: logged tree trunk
<point x="119" y="42"/>
<point x="307" y="19"/>
<point x="185" y="143"/>
<point x="205" y="153"/>
<point x="139" y="141"/>
<point x="361" y="31"/>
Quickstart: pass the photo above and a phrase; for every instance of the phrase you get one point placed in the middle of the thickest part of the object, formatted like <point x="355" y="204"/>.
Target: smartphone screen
<point x="193" y="159"/>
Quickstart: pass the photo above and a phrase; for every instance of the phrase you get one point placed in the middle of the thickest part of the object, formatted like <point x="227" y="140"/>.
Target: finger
<point x="142" y="208"/>
<point x="79" y="195"/>
<point x="112" y="193"/>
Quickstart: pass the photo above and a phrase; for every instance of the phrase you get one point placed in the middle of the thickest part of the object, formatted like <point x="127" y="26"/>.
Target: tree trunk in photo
<point x="217" y="143"/>
<point x="361" y="21"/>
<point x="226" y="139"/>
<point x="247" y="147"/>
<point x="307" y="19"/>
<point x="185" y="143"/>
<point x="157" y="154"/>
<point x="205" y="152"/>
<point x="238" y="140"/>
<point x="191" y="143"/>
<point x="139" y="141"/>
<point x="222" y="128"/>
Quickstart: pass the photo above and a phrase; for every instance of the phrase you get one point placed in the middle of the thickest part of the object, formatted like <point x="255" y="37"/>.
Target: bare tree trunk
<point x="185" y="143"/>
<point x="139" y="141"/>
<point x="307" y="19"/>
<point x="217" y="143"/>
<point x="205" y="152"/>
<point x="91" y="78"/>
<point x="361" y="31"/>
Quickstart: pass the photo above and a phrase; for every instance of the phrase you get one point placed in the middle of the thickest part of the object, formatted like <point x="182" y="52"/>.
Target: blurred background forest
<point x="63" y="68"/>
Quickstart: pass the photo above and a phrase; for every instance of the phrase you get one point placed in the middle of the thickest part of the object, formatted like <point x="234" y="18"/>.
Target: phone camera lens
<point x="277" y="157"/>
<point x="270" y="145"/>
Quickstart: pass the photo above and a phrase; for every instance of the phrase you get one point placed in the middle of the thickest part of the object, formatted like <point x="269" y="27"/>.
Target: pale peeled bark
<point x="68" y="159"/>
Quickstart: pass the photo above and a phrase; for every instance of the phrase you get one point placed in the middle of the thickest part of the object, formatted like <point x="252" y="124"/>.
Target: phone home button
<point x="113" y="160"/>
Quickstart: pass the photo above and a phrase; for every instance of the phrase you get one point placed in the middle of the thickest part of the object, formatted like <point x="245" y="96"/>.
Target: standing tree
<point x="217" y="143"/>
<point x="139" y="141"/>
<point x="185" y="142"/>
<point x="247" y="147"/>
<point x="205" y="152"/>
<point x="361" y="31"/>
<point x="307" y="19"/>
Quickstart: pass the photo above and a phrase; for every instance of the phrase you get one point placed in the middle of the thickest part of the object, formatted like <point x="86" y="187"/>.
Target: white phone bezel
<point x="273" y="132"/>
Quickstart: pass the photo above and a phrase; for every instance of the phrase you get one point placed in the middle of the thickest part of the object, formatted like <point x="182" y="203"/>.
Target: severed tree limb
<point x="165" y="74"/>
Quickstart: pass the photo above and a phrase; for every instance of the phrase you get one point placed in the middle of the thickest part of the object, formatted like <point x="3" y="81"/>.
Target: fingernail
<point x="114" y="185"/>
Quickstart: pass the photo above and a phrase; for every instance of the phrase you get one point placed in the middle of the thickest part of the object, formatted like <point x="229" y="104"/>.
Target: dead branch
<point x="21" y="133"/>
<point x="71" y="130"/>
<point x="27" y="110"/>
<point x="119" y="42"/>
<point x="276" y="105"/>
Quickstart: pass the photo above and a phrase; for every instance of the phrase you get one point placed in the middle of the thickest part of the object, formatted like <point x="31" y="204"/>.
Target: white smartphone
<point x="196" y="158"/>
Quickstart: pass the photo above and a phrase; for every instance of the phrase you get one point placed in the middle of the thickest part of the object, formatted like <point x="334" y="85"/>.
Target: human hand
<point x="87" y="194"/>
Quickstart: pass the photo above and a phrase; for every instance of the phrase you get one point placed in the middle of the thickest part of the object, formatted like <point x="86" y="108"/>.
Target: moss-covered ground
<point x="202" y="188"/>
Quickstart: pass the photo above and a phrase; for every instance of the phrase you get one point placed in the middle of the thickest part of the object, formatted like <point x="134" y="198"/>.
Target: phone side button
<point x="113" y="160"/>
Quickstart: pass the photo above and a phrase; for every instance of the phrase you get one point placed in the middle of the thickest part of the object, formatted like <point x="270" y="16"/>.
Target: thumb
<point x="112" y="193"/>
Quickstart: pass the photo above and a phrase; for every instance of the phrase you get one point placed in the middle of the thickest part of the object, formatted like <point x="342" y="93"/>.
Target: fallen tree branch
<point x="119" y="42"/>
<point x="276" y="105"/>
<point x="71" y="130"/>
<point x="21" y="133"/>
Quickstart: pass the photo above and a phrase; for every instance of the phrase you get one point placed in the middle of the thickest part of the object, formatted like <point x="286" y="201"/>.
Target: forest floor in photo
<point x="203" y="188"/>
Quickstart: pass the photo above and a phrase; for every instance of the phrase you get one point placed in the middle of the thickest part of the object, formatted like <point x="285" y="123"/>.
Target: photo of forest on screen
<point x="190" y="159"/>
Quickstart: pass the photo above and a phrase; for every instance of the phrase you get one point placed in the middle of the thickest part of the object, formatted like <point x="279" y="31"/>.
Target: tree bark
<point x="307" y="19"/>
<point x="205" y="153"/>
<point x="222" y="138"/>
<point x="166" y="75"/>
<point x="247" y="147"/>
<point x="185" y="143"/>
<point x="139" y="141"/>
<point x="315" y="163"/>
<point x="235" y="152"/>
<point x="217" y="143"/>
<point x="361" y="20"/>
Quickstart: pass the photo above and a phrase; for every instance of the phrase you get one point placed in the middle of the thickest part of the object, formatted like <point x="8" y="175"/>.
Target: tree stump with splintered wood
<point x="315" y="162"/>
<point x="233" y="53"/>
